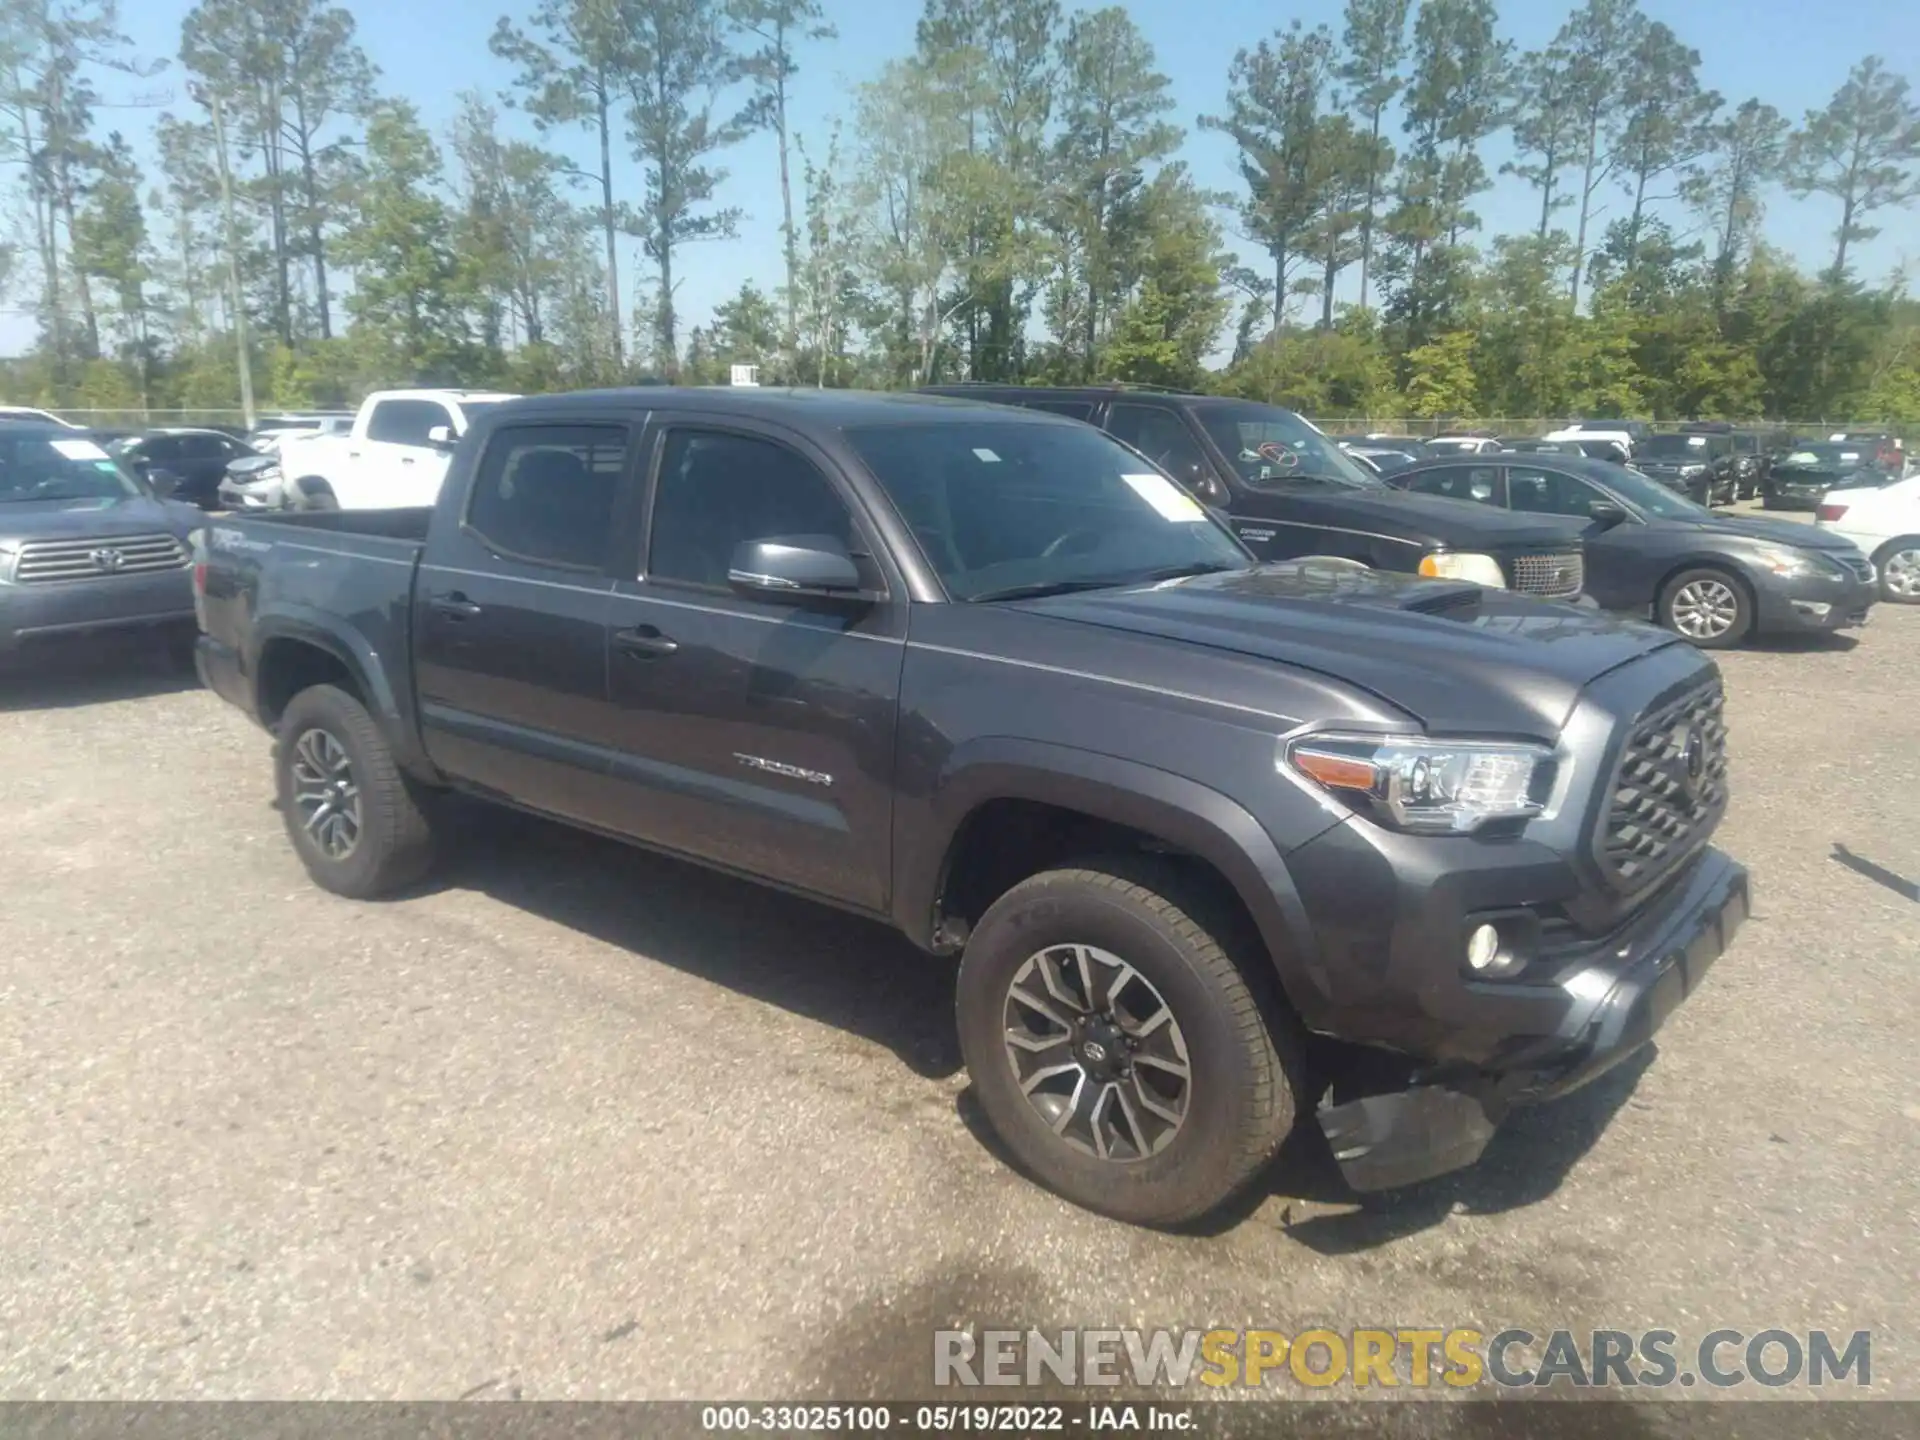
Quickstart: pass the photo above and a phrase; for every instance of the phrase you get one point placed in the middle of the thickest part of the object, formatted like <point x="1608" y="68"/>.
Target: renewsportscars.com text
<point x="1415" y="1358"/>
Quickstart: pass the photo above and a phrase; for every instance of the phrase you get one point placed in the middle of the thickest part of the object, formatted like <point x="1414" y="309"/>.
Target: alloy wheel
<point x="1098" y="1053"/>
<point x="1902" y="573"/>
<point x="1705" y="609"/>
<point x="326" y="794"/>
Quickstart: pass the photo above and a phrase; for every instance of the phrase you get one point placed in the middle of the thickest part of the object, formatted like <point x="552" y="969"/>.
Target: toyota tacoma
<point x="1220" y="845"/>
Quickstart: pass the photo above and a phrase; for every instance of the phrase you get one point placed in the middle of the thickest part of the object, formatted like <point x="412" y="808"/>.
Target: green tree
<point x="1668" y="122"/>
<point x="1594" y="40"/>
<point x="1112" y="130"/>
<point x="775" y="27"/>
<point x="407" y="278"/>
<point x="1174" y="317"/>
<point x="1441" y="376"/>
<point x="569" y="70"/>
<point x="110" y="245"/>
<point x="1375" y="43"/>
<point x="1546" y="128"/>
<point x="1745" y="152"/>
<point x="1862" y="150"/>
<point x="678" y="63"/>
<point x="1274" y="114"/>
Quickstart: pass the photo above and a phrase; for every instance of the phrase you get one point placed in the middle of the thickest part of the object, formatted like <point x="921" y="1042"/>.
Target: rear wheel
<point x="1116" y="1046"/>
<point x="316" y="495"/>
<point x="356" y="822"/>
<point x="1899" y="565"/>
<point x="1709" y="607"/>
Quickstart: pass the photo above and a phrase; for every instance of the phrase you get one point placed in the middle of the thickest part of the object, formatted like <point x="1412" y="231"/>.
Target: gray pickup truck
<point x="87" y="549"/>
<point x="1220" y="844"/>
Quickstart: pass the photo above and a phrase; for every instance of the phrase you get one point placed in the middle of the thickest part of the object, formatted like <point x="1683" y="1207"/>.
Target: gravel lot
<point x="584" y="1123"/>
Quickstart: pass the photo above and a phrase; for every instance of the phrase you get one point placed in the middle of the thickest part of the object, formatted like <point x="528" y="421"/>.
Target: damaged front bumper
<point x="1618" y="997"/>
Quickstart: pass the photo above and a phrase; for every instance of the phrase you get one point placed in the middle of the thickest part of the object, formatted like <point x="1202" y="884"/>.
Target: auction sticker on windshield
<point x="79" y="449"/>
<point x="1169" y="499"/>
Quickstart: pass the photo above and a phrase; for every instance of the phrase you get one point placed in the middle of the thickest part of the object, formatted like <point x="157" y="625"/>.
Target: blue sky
<point x="1789" y="54"/>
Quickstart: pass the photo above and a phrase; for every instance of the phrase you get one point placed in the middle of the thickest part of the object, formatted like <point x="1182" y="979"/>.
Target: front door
<point x="751" y="733"/>
<point x="510" y="619"/>
<point x="1620" y="565"/>
<point x="401" y="467"/>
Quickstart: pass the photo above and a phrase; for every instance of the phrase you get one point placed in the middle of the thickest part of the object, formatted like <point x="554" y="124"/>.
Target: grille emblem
<point x="107" y="560"/>
<point x="1689" y="760"/>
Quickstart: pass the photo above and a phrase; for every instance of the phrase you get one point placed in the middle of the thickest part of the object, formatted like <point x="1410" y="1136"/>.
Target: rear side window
<point x="1480" y="483"/>
<point x="546" y="493"/>
<point x="405" y="422"/>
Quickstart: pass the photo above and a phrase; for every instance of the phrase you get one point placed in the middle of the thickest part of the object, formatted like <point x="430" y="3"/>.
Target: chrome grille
<point x="1554" y="577"/>
<point x="1660" y="803"/>
<point x="97" y="558"/>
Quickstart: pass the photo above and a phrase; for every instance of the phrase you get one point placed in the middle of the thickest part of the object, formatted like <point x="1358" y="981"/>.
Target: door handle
<point x="455" y="606"/>
<point x="406" y="459"/>
<point x="644" y="642"/>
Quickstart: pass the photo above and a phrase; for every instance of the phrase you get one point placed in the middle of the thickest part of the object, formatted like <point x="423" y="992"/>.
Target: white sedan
<point x="1885" y="523"/>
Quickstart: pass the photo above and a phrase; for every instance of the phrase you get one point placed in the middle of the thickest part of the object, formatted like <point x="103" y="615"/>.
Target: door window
<point x="1480" y="483"/>
<point x="716" y="491"/>
<point x="1160" y="435"/>
<point x="158" y="448"/>
<point x="405" y="422"/>
<point x="546" y="493"/>
<point x="1546" y="492"/>
<point x="1072" y="409"/>
<point x="202" y="447"/>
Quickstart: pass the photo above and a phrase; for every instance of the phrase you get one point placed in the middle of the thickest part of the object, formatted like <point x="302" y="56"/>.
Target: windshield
<point x="1005" y="508"/>
<point x="1648" y="494"/>
<point x="1272" y="448"/>
<point x="1671" y="447"/>
<point x="43" y="468"/>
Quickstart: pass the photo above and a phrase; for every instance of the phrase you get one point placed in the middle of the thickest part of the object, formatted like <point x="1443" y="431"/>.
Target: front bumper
<point x="259" y="496"/>
<point x="77" y="609"/>
<point x="1611" y="1003"/>
<point x="1814" y="604"/>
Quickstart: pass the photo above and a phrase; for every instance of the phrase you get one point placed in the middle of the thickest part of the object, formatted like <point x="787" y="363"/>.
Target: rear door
<point x="753" y="733"/>
<point x="510" y="614"/>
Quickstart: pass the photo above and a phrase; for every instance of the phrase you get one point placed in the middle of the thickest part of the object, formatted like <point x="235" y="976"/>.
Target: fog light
<point x="1483" y="947"/>
<point x="1815" y="609"/>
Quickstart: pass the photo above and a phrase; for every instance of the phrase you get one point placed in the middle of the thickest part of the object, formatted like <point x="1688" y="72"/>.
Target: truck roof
<point x="436" y="393"/>
<point x="828" y="407"/>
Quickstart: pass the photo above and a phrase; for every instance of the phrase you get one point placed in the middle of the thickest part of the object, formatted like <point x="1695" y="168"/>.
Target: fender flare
<point x="1205" y="823"/>
<point x="306" y="625"/>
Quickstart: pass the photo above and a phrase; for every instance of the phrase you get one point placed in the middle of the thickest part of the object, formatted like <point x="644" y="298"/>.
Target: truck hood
<point x="83" y="519"/>
<point x="1462" y="659"/>
<point x="1455" y="524"/>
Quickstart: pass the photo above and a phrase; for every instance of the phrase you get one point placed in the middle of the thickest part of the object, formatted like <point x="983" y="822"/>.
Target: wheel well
<point x="1005" y="841"/>
<point x="289" y="666"/>
<point x="1893" y="545"/>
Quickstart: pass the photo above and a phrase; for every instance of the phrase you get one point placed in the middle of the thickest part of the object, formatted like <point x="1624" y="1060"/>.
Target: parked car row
<point x="1553" y="522"/>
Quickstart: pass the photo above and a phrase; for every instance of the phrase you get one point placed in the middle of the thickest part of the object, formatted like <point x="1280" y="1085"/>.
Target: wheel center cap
<point x="1103" y="1048"/>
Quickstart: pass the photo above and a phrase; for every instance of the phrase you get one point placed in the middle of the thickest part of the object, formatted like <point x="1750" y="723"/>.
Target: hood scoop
<point x="1456" y="602"/>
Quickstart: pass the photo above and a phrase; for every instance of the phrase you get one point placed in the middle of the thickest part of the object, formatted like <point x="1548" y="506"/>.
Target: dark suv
<point x="1700" y="466"/>
<point x="1290" y="491"/>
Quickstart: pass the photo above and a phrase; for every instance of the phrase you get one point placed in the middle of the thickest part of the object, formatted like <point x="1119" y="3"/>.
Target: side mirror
<point x="795" y="567"/>
<point x="441" y="437"/>
<point x="162" y="482"/>
<point x="1605" y="512"/>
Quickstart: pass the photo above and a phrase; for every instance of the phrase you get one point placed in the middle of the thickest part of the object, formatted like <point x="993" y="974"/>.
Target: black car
<point x="1883" y="450"/>
<point x="1384" y="459"/>
<point x="1290" y="491"/>
<point x="198" y="460"/>
<point x="1714" y="579"/>
<point x="1218" y="846"/>
<point x="1701" y="467"/>
<point x="1800" y="479"/>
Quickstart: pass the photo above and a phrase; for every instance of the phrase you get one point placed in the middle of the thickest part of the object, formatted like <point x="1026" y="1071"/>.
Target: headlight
<point x="1464" y="565"/>
<point x="7" y="557"/>
<point x="1426" y="784"/>
<point x="1693" y="469"/>
<point x="1787" y="563"/>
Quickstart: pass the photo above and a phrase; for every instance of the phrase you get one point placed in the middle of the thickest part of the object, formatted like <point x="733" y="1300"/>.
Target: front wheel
<point x="1899" y="566"/>
<point x="356" y="822"/>
<point x="1709" y="607"/>
<point x="1116" y="1046"/>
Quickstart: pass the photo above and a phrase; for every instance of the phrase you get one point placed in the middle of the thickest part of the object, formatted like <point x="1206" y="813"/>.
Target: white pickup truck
<point x="396" y="454"/>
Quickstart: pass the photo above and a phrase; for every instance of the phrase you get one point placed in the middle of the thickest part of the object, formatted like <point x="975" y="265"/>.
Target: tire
<point x="391" y="844"/>
<point x="316" y="495"/>
<point x="1901" y="557"/>
<point x="1244" y="1083"/>
<point x="1688" y="592"/>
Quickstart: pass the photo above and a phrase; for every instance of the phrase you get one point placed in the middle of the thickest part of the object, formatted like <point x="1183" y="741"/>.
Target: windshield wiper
<point x="1041" y="588"/>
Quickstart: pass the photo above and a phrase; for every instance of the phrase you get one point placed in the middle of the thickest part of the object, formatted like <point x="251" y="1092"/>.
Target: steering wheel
<point x="1059" y="543"/>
